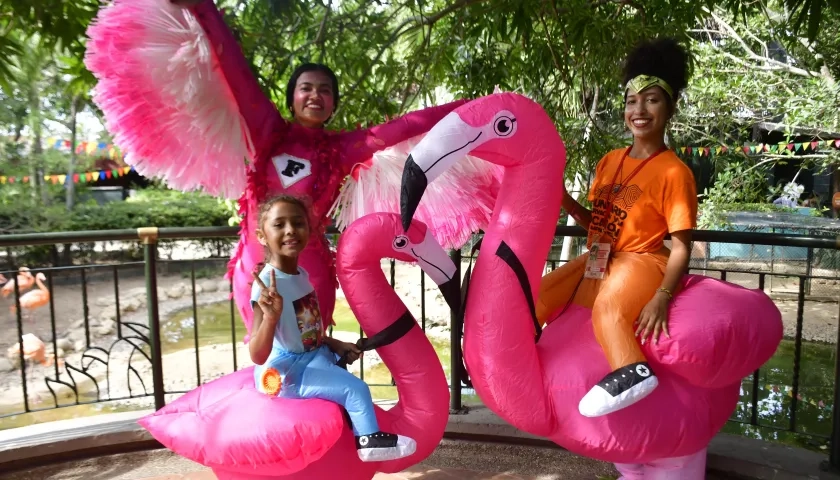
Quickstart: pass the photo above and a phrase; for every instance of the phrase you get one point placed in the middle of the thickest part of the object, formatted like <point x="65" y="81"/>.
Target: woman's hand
<point x="270" y="302"/>
<point x="654" y="318"/>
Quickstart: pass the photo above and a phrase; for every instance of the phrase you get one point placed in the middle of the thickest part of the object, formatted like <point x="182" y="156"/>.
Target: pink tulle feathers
<point x="168" y="107"/>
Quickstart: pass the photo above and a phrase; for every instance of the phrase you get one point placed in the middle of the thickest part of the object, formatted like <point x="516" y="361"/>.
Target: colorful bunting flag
<point x="77" y="177"/>
<point x="812" y="146"/>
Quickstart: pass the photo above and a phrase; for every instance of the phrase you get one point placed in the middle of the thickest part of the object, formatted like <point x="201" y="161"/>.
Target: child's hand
<point x="348" y="351"/>
<point x="270" y="301"/>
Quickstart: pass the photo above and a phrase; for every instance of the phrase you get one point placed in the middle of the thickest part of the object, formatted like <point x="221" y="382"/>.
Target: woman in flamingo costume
<point x="246" y="435"/>
<point x="180" y="99"/>
<point x="535" y="378"/>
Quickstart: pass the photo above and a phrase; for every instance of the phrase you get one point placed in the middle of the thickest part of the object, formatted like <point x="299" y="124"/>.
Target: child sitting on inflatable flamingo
<point x="293" y="356"/>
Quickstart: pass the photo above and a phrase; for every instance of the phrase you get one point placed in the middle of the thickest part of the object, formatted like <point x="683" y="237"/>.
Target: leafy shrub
<point x="150" y="208"/>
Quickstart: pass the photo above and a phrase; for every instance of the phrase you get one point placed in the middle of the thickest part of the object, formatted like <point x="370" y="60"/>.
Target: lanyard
<point x="615" y="188"/>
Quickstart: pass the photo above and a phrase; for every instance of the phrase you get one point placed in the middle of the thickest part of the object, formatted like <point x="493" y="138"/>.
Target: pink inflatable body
<point x="719" y="332"/>
<point x="179" y="97"/>
<point x="246" y="435"/>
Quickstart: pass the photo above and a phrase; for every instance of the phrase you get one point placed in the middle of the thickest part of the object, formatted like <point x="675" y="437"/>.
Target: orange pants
<point x="616" y="300"/>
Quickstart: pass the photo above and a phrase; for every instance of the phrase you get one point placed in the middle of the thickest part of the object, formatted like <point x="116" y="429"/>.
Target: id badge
<point x="596" y="264"/>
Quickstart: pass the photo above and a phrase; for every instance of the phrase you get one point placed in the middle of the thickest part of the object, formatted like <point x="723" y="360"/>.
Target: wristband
<point x="667" y="292"/>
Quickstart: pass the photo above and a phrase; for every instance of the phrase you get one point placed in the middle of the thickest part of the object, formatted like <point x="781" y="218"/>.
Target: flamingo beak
<point x="450" y="140"/>
<point x="434" y="260"/>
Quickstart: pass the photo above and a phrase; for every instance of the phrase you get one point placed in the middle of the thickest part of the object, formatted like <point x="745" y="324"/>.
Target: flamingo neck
<point x="409" y="358"/>
<point x="500" y="323"/>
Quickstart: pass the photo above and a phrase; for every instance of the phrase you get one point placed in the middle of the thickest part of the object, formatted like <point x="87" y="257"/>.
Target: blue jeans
<point x="314" y="374"/>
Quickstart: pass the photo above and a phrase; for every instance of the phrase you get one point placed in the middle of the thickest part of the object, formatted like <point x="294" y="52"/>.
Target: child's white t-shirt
<point x="300" y="328"/>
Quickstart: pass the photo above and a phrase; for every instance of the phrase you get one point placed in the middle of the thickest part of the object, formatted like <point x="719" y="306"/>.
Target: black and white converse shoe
<point x="618" y="390"/>
<point x="381" y="446"/>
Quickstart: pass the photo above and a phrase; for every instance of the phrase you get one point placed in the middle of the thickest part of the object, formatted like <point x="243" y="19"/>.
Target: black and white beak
<point x="435" y="262"/>
<point x="448" y="141"/>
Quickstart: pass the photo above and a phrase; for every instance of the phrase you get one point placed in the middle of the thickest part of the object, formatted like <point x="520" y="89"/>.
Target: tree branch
<point x="769" y="63"/>
<point x="407" y="26"/>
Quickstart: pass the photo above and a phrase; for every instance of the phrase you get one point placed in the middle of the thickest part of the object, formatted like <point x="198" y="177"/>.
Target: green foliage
<point x="19" y="213"/>
<point x="738" y="187"/>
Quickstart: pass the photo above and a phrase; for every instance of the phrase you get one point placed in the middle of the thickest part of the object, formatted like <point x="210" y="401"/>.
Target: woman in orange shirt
<point x="640" y="193"/>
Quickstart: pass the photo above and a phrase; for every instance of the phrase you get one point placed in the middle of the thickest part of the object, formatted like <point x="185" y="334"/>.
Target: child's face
<point x="285" y="230"/>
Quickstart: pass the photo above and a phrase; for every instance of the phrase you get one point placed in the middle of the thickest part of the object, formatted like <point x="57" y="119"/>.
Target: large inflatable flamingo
<point x="246" y="435"/>
<point x="719" y="332"/>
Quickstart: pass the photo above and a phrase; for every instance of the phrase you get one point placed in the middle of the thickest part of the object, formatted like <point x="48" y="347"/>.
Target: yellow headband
<point x="643" y="82"/>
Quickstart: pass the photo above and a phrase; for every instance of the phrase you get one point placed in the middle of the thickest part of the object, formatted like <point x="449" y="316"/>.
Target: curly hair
<point x="662" y="57"/>
<point x="282" y="198"/>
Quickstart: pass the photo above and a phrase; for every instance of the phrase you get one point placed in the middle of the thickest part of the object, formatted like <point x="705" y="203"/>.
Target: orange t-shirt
<point x="661" y="198"/>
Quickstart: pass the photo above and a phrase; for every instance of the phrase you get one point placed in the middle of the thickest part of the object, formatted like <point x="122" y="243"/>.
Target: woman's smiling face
<point x="314" y="100"/>
<point x="646" y="113"/>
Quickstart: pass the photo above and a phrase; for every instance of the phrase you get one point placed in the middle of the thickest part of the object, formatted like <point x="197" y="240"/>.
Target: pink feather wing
<point x="165" y="102"/>
<point x="456" y="205"/>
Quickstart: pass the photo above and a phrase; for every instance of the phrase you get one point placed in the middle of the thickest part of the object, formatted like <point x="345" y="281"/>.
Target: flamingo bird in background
<point x="24" y="279"/>
<point x="34" y="351"/>
<point x="34" y="299"/>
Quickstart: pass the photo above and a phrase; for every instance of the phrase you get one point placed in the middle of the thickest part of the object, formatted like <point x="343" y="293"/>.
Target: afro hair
<point x="661" y="57"/>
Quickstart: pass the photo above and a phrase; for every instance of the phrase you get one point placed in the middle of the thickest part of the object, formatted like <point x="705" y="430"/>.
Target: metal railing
<point x="144" y="339"/>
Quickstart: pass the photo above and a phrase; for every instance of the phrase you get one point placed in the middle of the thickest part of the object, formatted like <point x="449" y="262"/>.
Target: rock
<point x="129" y="305"/>
<point x="59" y="353"/>
<point x="106" y="328"/>
<point x="104" y="301"/>
<point x="209" y="286"/>
<point x="77" y="336"/>
<point x="79" y="346"/>
<point x="223" y="285"/>
<point x="198" y="289"/>
<point x="137" y="292"/>
<point x="108" y="313"/>
<point x="6" y="365"/>
<point x="176" y="291"/>
<point x="161" y="293"/>
<point x="78" y="324"/>
<point x="64" y="344"/>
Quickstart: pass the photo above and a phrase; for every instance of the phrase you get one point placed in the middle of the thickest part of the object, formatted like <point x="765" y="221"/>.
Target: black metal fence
<point x="131" y="350"/>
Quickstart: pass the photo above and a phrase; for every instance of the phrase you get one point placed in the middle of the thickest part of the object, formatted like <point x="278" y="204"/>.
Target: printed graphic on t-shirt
<point x="308" y="315"/>
<point x="622" y="203"/>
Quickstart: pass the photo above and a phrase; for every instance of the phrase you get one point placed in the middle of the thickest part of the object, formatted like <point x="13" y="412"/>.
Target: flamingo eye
<point x="401" y="242"/>
<point x="504" y="125"/>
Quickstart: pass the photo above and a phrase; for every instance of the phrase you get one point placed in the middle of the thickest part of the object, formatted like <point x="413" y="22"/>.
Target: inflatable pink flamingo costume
<point x="246" y="435"/>
<point x="719" y="332"/>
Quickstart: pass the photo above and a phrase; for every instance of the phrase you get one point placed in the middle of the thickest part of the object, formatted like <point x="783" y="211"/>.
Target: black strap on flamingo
<point x="505" y="253"/>
<point x="387" y="336"/>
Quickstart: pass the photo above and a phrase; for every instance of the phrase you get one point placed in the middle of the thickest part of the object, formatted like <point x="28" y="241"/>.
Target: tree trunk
<point x="835" y="188"/>
<point x="70" y="187"/>
<point x="565" y="252"/>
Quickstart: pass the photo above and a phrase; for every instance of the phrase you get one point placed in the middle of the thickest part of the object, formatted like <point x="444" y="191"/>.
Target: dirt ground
<point x="69" y="308"/>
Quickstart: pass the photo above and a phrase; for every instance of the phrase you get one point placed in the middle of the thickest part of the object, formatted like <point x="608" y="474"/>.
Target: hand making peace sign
<point x="270" y="301"/>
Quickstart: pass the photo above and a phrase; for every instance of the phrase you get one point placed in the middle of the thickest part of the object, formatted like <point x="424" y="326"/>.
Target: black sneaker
<point x="619" y="389"/>
<point x="381" y="446"/>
